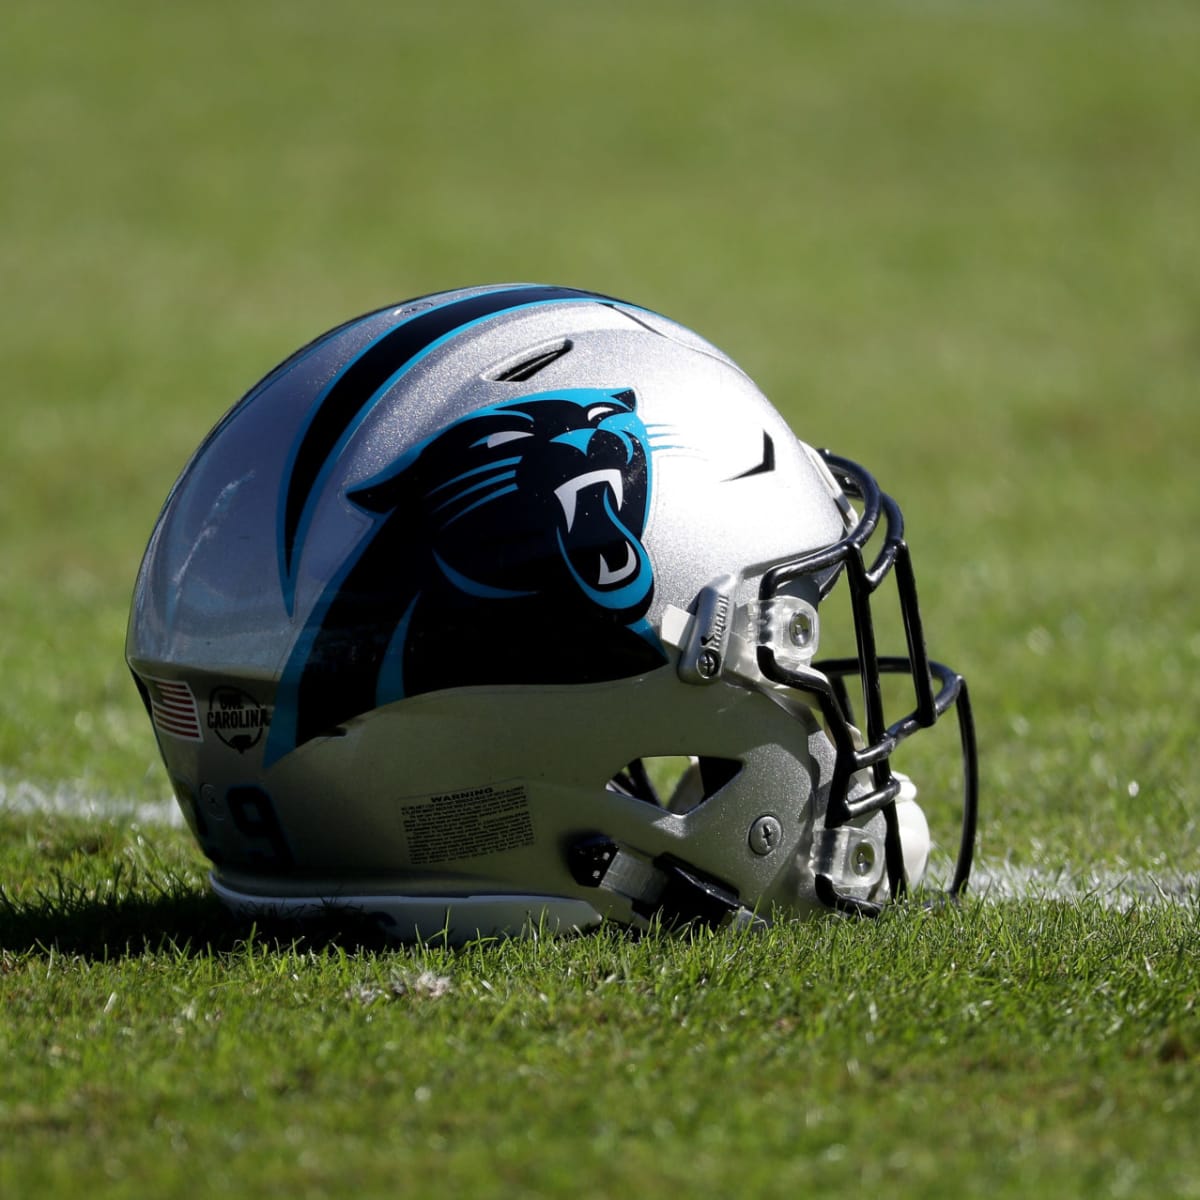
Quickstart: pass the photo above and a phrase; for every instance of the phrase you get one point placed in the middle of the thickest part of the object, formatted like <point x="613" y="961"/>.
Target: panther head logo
<point x="506" y="549"/>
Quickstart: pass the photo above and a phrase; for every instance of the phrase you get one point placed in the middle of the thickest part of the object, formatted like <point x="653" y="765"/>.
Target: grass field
<point x="955" y="240"/>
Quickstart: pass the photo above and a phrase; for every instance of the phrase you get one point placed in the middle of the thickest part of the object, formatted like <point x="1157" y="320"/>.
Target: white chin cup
<point x="914" y="831"/>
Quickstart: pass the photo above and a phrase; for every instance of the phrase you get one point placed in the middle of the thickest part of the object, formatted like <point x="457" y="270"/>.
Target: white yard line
<point x="73" y="799"/>
<point x="1116" y="887"/>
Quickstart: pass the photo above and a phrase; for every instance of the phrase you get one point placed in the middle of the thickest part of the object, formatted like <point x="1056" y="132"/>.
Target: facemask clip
<point x="706" y="643"/>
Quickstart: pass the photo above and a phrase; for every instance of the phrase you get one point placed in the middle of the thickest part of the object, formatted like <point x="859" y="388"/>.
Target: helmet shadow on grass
<point x="177" y="920"/>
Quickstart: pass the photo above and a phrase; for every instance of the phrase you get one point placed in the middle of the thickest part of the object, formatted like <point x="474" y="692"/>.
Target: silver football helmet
<point x="429" y="613"/>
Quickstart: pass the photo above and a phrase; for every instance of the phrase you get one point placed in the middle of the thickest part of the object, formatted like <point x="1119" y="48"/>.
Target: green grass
<point x="1036" y="1047"/>
<point x="956" y="241"/>
<point x="1054" y="1043"/>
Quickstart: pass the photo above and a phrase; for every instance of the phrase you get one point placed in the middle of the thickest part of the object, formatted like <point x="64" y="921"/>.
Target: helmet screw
<point x="863" y="861"/>
<point x="765" y="835"/>
<point x="208" y="796"/>
<point x="708" y="664"/>
<point x="800" y="630"/>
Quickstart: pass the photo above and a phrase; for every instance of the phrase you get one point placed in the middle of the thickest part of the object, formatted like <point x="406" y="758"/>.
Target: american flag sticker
<point x="173" y="708"/>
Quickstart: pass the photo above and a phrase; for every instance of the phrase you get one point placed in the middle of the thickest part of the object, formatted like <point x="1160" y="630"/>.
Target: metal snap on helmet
<point x="433" y="609"/>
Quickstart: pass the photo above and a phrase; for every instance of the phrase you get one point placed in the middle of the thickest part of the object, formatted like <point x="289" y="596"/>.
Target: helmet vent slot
<point x="529" y="362"/>
<point x="676" y="782"/>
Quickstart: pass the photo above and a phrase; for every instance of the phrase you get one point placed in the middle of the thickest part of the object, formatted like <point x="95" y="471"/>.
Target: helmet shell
<point x="408" y="612"/>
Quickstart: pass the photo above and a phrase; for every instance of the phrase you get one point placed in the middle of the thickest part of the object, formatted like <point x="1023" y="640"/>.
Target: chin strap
<point x="664" y="888"/>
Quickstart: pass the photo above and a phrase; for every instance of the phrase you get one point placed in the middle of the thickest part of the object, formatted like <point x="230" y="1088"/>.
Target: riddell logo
<point x="716" y="631"/>
<point x="236" y="718"/>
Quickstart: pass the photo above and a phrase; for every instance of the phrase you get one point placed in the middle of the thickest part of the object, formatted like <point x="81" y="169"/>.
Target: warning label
<point x="467" y="824"/>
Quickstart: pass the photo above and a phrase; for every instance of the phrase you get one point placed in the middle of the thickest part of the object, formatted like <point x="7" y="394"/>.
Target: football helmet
<point x="430" y="611"/>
